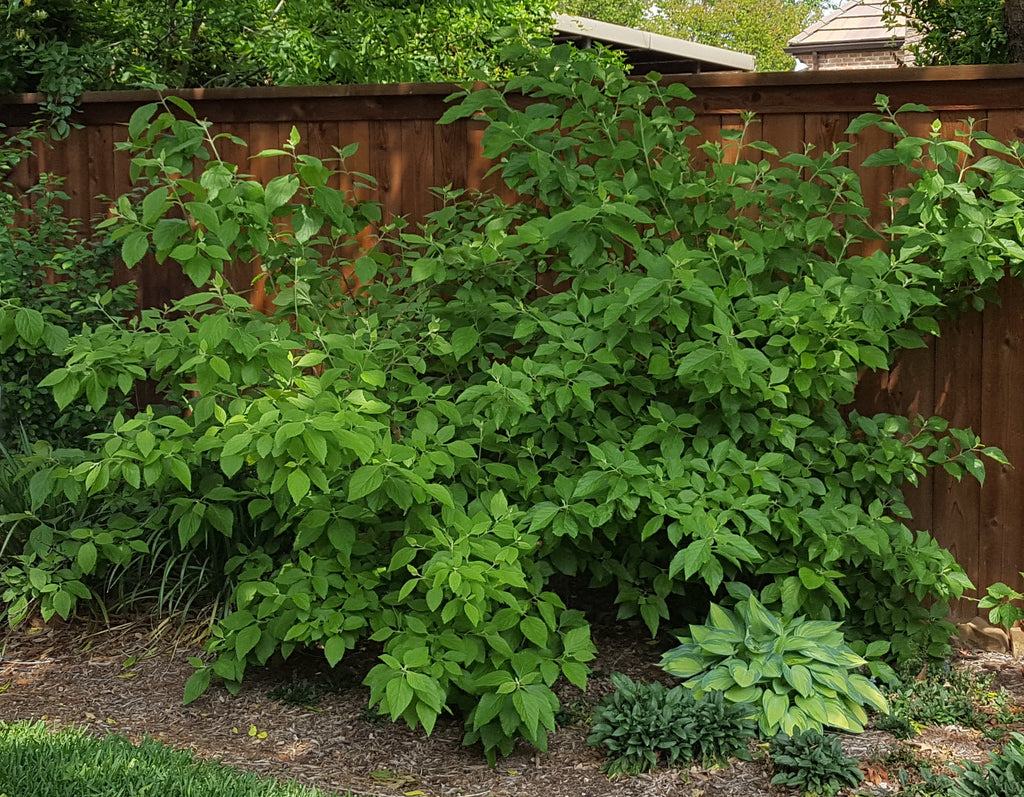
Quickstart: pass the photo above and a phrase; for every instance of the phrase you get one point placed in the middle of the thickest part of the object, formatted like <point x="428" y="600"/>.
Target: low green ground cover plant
<point x="38" y="762"/>
<point x="631" y="378"/>
<point x="643" y="725"/>
<point x="944" y="696"/>
<point x="813" y="762"/>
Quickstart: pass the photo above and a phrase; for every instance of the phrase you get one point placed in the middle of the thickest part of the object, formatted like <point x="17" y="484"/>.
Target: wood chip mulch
<point x="128" y="679"/>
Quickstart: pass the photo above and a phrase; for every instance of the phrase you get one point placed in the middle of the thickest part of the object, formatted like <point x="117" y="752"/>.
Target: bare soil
<point x="128" y="678"/>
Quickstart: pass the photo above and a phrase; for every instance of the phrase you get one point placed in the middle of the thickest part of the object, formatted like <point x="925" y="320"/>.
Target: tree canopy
<point x="954" y="31"/>
<point x="62" y="47"/>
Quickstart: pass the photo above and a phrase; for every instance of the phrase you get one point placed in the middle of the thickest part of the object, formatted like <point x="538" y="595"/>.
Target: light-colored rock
<point x="1017" y="642"/>
<point x="980" y="634"/>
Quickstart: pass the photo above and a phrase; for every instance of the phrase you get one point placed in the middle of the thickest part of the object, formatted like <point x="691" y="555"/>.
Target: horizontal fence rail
<point x="973" y="374"/>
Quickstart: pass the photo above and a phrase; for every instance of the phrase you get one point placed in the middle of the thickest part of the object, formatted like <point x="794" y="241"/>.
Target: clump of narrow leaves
<point x="812" y="762"/>
<point x="1003" y="775"/>
<point x="643" y="725"/>
<point x="798" y="673"/>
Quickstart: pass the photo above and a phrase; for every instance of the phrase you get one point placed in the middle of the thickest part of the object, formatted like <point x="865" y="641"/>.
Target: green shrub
<point x="36" y="762"/>
<point x="52" y="282"/>
<point x="813" y="763"/>
<point x="633" y="376"/>
<point x="642" y="725"/>
<point x="797" y="673"/>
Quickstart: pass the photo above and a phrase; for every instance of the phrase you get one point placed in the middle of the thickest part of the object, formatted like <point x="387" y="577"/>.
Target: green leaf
<point x="280" y="190"/>
<point x="197" y="683"/>
<point x="535" y="630"/>
<point x="298" y="485"/>
<point x="30" y="324"/>
<point x="246" y="640"/>
<point x="464" y="339"/>
<point x="809" y="578"/>
<point x="86" y="558"/>
<point x="180" y="471"/>
<point x="134" y="247"/>
<point x="364" y="481"/>
<point x="334" y="649"/>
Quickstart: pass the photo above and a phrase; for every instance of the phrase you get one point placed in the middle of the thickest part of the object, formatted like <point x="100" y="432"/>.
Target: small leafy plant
<point x="642" y="725"/>
<point x="1000" y="602"/>
<point x="798" y="673"/>
<point x="812" y="762"/>
<point x="1003" y="776"/>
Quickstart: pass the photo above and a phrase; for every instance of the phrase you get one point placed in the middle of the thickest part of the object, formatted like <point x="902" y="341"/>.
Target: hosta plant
<point x="812" y="762"/>
<point x="798" y="673"/>
<point x="642" y="725"/>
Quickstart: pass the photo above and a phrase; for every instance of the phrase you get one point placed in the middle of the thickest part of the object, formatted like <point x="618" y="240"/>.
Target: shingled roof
<point x="856" y="25"/>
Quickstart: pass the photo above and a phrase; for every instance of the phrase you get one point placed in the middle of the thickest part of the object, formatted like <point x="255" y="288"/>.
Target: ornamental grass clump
<point x="643" y="725"/>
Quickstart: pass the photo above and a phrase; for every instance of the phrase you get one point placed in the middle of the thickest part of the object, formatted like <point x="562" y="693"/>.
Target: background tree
<point x="956" y="31"/>
<point x="758" y="27"/>
<point x="61" y="47"/>
<point x="1013" y="19"/>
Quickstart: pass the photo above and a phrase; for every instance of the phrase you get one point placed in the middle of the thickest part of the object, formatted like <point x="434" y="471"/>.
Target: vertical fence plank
<point x="784" y="131"/>
<point x="1002" y="499"/>
<point x="451" y="158"/>
<point x="823" y="130"/>
<point x="958" y="398"/>
<point x="417" y="170"/>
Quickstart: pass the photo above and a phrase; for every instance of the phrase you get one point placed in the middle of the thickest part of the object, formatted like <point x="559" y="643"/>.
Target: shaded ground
<point x="129" y="679"/>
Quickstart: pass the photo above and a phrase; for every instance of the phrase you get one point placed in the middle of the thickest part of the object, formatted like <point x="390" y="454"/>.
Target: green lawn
<point x="38" y="762"/>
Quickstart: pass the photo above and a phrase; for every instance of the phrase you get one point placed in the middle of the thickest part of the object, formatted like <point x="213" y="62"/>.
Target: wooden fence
<point x="973" y="374"/>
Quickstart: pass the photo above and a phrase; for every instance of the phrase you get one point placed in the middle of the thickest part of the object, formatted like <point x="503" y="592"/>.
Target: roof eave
<point x="895" y="43"/>
<point x="622" y="36"/>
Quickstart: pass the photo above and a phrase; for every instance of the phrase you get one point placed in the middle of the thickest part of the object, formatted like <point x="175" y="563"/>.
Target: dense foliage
<point x="814" y="763"/>
<point x="943" y="696"/>
<point x="630" y="379"/>
<point x="61" y="48"/>
<point x="952" y="31"/>
<point x="798" y="674"/>
<point x="51" y="283"/>
<point x="1003" y="775"/>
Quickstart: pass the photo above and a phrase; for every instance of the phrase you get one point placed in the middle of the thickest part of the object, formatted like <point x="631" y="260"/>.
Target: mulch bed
<point x="128" y="678"/>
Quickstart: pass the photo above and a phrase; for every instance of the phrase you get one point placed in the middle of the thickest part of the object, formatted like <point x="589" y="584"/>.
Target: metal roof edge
<point x="657" y="42"/>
